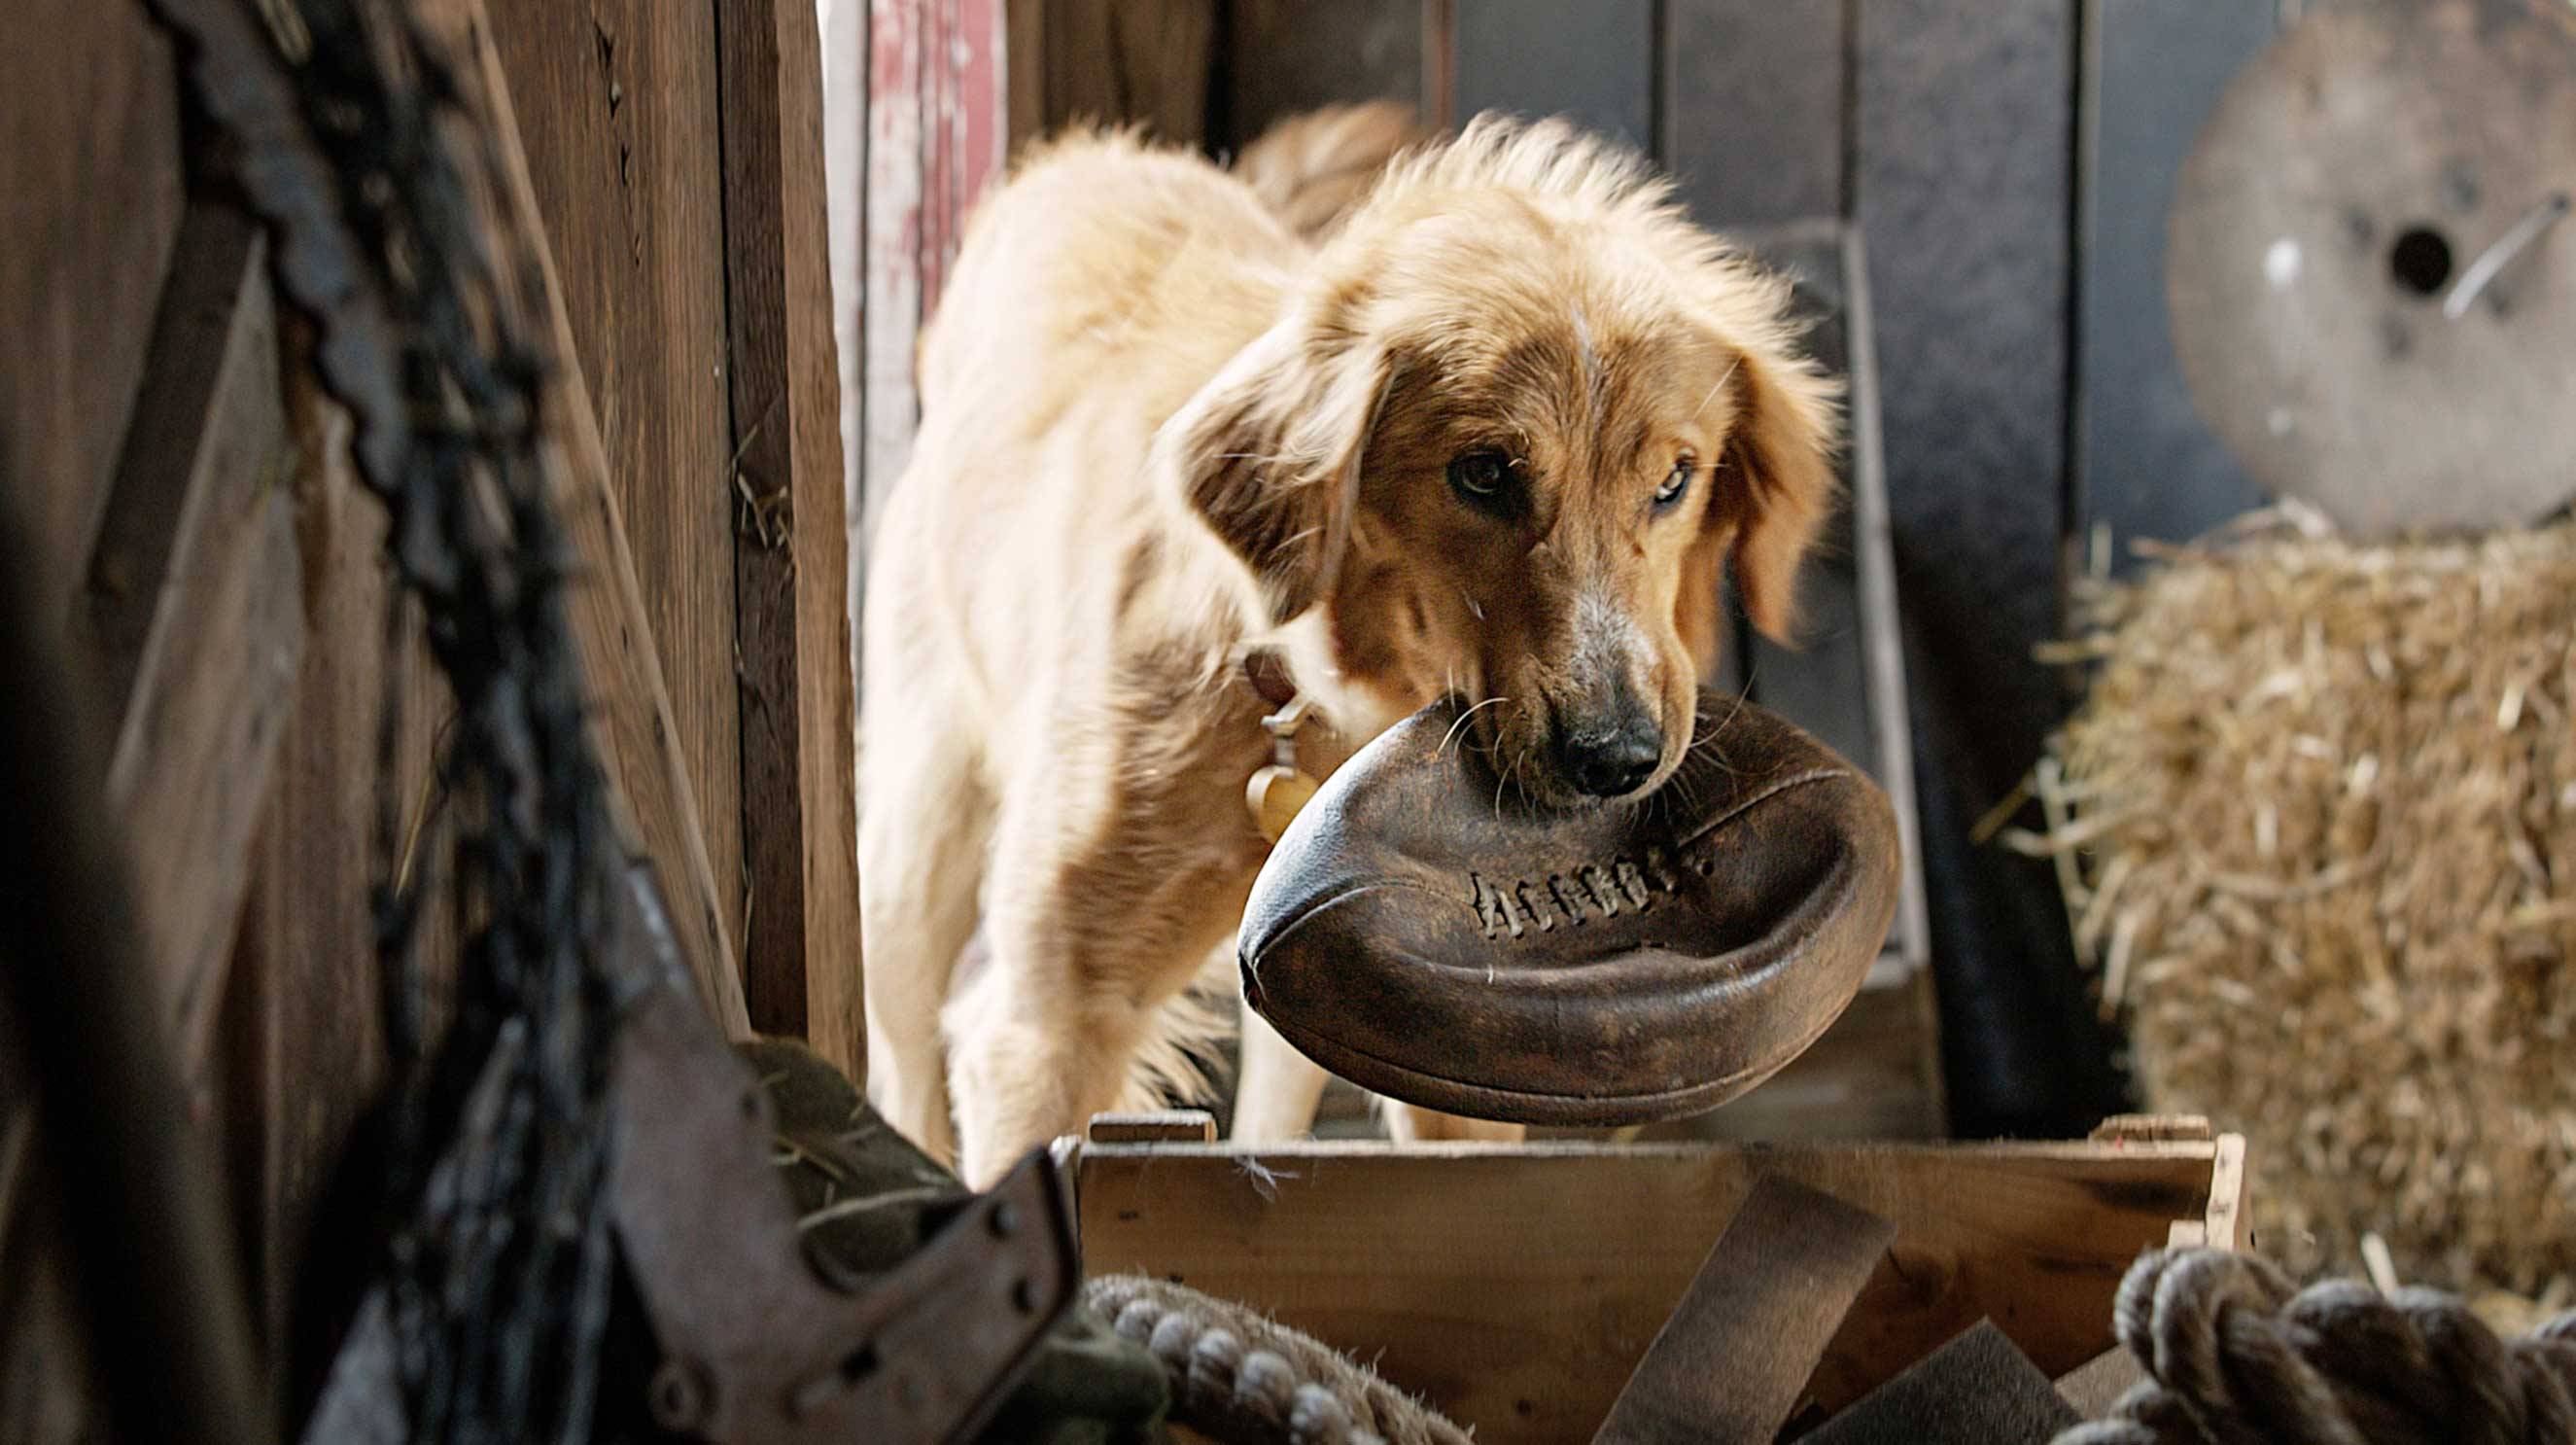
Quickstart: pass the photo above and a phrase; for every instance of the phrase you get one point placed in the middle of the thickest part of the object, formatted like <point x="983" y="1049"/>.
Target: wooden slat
<point x="1962" y="153"/>
<point x="1024" y="68"/>
<point x="1730" y="1364"/>
<point x="303" y="1005"/>
<point x="1518" y="1287"/>
<point x="1287" y="56"/>
<point x="89" y="208"/>
<point x="1822" y="681"/>
<point x="618" y="117"/>
<point x="791" y="560"/>
<point x="1844" y="677"/>
<point x="195" y="609"/>
<point x="1753" y="112"/>
<point x="1167" y="1126"/>
<point x="635" y="732"/>
<point x="2147" y="466"/>
<point x="1592" y="64"/>
<point x="1116" y="61"/>
<point x="938" y="118"/>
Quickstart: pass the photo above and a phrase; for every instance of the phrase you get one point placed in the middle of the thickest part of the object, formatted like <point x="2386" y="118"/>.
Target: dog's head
<point x="1506" y="442"/>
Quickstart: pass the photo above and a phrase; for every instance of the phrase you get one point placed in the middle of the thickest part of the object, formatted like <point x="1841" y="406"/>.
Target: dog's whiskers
<point x="1460" y="725"/>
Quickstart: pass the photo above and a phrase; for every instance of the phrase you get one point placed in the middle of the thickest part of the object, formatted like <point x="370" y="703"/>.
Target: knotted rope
<point x="2236" y="1356"/>
<point x="1240" y="1379"/>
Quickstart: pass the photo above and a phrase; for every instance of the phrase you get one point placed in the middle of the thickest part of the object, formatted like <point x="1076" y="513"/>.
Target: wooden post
<point x="791" y="547"/>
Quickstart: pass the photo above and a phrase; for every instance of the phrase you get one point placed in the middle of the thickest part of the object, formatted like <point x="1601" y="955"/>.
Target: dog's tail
<point x="1312" y="168"/>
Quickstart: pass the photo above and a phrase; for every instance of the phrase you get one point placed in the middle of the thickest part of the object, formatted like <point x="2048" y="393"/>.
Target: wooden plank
<point x="1592" y="64"/>
<point x="1821" y="682"/>
<point x="303" y="1048"/>
<point x="1120" y="61"/>
<point x="1024" y="68"/>
<point x="1168" y="1126"/>
<point x="637" y="738"/>
<point x="618" y="118"/>
<point x="1287" y="56"/>
<point x="195" y="610"/>
<point x="1963" y="163"/>
<point x="1843" y="678"/>
<point x="90" y="201"/>
<point x="937" y="123"/>
<point x="1730" y="1364"/>
<point x="791" y="559"/>
<point x="1518" y="1286"/>
<point x="2146" y="465"/>
<point x="1753" y="113"/>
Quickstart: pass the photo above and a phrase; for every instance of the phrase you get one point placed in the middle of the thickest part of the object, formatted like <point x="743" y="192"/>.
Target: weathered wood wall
<point x="192" y="508"/>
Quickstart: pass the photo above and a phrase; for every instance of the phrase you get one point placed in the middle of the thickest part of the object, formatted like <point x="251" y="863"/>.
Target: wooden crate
<point x="1516" y="1286"/>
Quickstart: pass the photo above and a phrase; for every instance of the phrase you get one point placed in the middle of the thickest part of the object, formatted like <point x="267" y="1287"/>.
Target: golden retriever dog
<point x="1495" y="426"/>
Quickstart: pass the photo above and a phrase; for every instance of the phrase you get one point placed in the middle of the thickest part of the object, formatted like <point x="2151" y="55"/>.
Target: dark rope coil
<point x="2236" y="1355"/>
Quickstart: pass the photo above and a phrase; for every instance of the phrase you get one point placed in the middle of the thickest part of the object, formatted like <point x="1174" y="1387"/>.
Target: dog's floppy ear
<point x="1778" y="478"/>
<point x="1267" y="456"/>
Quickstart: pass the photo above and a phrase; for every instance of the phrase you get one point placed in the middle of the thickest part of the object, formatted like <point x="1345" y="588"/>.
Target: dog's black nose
<point x="1612" y="761"/>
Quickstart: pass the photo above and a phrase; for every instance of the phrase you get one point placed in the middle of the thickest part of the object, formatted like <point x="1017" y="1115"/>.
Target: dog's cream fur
<point x="1168" y="418"/>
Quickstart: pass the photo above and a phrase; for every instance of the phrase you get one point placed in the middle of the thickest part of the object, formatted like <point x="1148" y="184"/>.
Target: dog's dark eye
<point x="1486" y="481"/>
<point x="1676" y="485"/>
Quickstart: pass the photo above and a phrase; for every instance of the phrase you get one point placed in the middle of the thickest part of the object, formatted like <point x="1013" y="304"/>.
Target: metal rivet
<point x="681" y="1396"/>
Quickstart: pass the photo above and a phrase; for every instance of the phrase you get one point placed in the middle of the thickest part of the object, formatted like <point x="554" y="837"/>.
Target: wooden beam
<point x="638" y="742"/>
<point x="1287" y="56"/>
<point x="302" y="1040"/>
<point x="1753" y="115"/>
<point x="791" y="558"/>
<point x="618" y="118"/>
<point x="90" y="173"/>
<point x="194" y="610"/>
<point x="1114" y="61"/>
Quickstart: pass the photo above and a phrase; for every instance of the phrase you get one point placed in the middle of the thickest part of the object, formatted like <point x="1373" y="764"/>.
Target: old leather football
<point x="1430" y="936"/>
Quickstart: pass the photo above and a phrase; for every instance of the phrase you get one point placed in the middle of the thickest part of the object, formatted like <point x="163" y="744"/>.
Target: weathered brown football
<point x="1430" y="936"/>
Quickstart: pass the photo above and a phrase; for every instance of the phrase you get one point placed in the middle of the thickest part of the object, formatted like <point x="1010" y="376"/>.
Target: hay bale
<point x="2317" y="824"/>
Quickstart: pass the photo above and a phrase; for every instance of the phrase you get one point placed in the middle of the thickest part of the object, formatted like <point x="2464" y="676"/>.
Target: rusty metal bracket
<point x="761" y="1340"/>
<point x="755" y="1338"/>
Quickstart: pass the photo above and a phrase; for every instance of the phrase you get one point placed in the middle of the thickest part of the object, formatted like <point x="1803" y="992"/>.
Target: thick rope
<point x="1242" y="1380"/>
<point x="2236" y="1356"/>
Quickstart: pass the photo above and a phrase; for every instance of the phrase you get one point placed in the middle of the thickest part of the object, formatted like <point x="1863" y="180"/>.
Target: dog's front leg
<point x="1277" y="1088"/>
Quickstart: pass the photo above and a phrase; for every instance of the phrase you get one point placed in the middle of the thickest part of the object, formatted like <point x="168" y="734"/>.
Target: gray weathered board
<point x="1752" y="115"/>
<point x="1592" y="64"/>
<point x="1963" y="163"/>
<point x="2146" y="465"/>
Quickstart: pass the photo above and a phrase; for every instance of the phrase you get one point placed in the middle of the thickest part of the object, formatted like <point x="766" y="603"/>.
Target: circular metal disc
<point x="2325" y="260"/>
